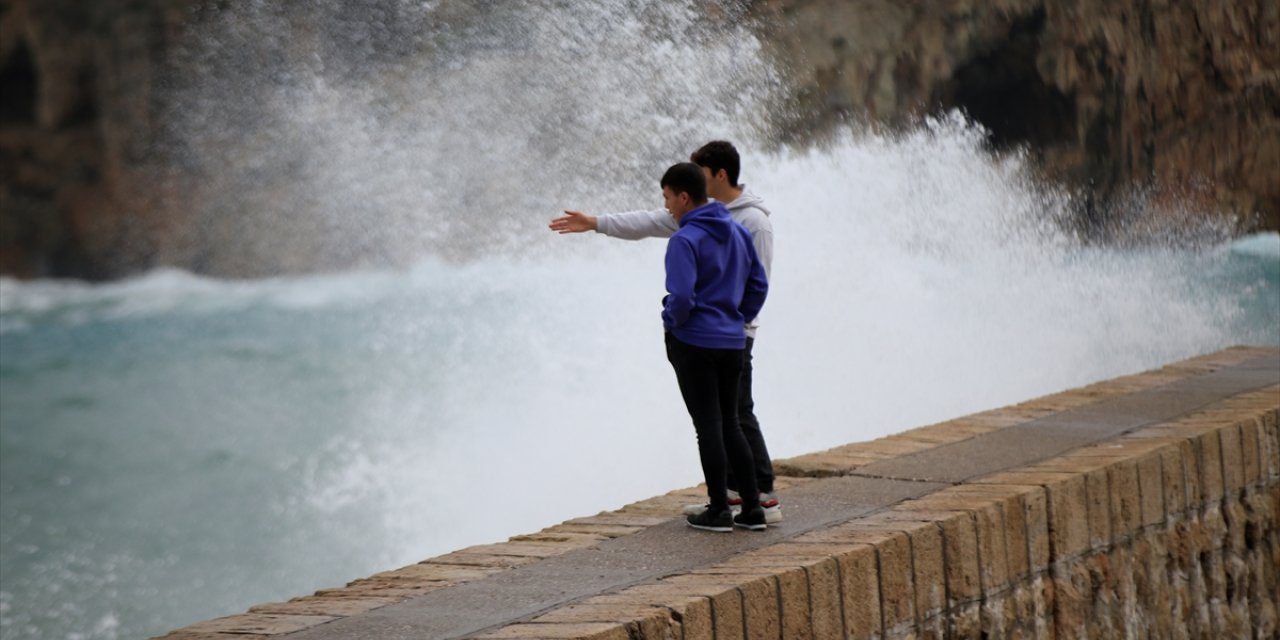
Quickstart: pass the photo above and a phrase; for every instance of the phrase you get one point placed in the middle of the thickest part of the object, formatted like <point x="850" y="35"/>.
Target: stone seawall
<point x="1144" y="506"/>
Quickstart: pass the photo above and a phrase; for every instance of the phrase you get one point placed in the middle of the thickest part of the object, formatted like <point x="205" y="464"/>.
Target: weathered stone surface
<point x="860" y="585"/>
<point x="825" y="608"/>
<point x="324" y="606"/>
<point x="1108" y="93"/>
<point x="259" y="623"/>
<point x="559" y="631"/>
<point x="960" y="549"/>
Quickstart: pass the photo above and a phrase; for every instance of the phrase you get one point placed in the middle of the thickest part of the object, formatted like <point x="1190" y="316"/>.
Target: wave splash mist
<point x="384" y="132"/>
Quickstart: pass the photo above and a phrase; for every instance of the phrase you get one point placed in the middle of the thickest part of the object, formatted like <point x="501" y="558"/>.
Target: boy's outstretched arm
<point x="628" y="225"/>
<point x="573" y="222"/>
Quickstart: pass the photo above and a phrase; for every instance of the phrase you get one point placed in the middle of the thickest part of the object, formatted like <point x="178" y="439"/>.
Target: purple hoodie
<point x="715" y="281"/>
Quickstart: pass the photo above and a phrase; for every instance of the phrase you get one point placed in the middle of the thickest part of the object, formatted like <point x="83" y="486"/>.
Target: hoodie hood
<point x="713" y="218"/>
<point x="748" y="199"/>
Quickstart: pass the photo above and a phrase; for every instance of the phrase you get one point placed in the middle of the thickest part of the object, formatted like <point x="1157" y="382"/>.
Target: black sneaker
<point x="753" y="519"/>
<point x="710" y="521"/>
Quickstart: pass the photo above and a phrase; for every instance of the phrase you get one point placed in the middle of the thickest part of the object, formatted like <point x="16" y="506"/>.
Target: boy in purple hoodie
<point x="716" y="284"/>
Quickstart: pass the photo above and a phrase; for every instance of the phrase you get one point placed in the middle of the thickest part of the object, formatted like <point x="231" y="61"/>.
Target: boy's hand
<point x="573" y="222"/>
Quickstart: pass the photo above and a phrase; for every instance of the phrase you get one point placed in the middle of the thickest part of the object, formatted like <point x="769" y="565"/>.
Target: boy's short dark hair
<point x="717" y="155"/>
<point x="686" y="177"/>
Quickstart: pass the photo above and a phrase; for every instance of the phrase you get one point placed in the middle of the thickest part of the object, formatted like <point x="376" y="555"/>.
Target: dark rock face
<point x="77" y="118"/>
<point x="1176" y="99"/>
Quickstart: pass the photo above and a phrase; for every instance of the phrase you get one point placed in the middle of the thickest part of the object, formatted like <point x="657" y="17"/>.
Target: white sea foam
<point x="1262" y="245"/>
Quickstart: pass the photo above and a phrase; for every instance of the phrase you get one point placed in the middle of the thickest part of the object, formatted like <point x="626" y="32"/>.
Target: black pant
<point x="751" y="428"/>
<point x="708" y="381"/>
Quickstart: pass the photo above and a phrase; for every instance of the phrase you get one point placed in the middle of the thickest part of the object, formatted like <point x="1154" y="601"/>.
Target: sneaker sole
<point x="772" y="515"/>
<point x="751" y="527"/>
<point x="707" y="528"/>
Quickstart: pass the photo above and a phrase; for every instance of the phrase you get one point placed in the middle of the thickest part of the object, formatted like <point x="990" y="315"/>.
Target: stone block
<point x="619" y="519"/>
<point x="1174" y="479"/>
<point x="824" y="599"/>
<point x="1098" y="494"/>
<point x="1209" y="457"/>
<point x="1151" y="488"/>
<point x="960" y="549"/>
<point x="1250" y="452"/>
<point x="788" y="554"/>
<point x="988" y="518"/>
<point x="558" y="631"/>
<point x="1269" y="446"/>
<point x="183" y="634"/>
<point x="654" y="620"/>
<point x="1067" y="511"/>
<point x="692" y="612"/>
<point x="928" y="569"/>
<point x="1037" y="515"/>
<point x="860" y="586"/>
<point x="432" y="572"/>
<point x="725" y="599"/>
<point x="824" y="464"/>
<point x="489" y="562"/>
<point x="259" y="623"/>
<point x="603" y="530"/>
<point x="366" y="588"/>
<point x="644" y="620"/>
<point x="1013" y="503"/>
<point x="573" y="539"/>
<point x="525" y="549"/>
<point x="1232" y="461"/>
<point x="325" y="606"/>
<point x="897" y="586"/>
<point x="760" y="608"/>
<point x="793" y="603"/>
<point x="1126" y="501"/>
<point x="1192" y="474"/>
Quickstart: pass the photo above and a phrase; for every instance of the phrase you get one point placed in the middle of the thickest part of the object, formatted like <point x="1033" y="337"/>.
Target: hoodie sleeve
<point x="636" y="225"/>
<point x="756" y="290"/>
<point x="682" y="274"/>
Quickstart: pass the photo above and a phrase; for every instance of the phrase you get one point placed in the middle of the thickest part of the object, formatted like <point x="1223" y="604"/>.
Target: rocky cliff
<point x="1178" y="101"/>
<point x="78" y="190"/>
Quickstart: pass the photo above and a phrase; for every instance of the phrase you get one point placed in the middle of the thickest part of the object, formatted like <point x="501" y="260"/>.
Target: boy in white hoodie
<point x="721" y="165"/>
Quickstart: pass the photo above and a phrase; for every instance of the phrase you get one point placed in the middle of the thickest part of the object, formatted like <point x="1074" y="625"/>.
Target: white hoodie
<point x="747" y="209"/>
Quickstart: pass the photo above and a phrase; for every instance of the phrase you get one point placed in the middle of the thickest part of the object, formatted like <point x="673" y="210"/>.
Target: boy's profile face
<point x="677" y="204"/>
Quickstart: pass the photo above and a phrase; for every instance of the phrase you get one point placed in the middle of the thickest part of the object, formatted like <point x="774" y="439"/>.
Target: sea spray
<point x="378" y="135"/>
